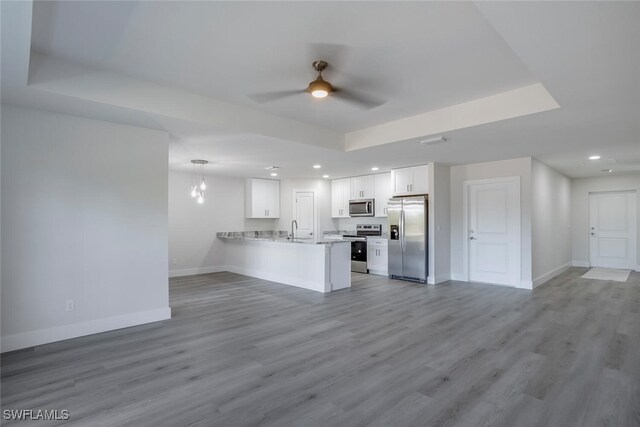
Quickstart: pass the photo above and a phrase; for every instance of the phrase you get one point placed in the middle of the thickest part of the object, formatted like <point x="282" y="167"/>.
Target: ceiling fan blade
<point x="360" y="100"/>
<point x="261" y="98"/>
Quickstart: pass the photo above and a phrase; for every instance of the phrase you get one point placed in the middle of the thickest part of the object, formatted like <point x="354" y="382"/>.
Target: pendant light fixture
<point x="197" y="191"/>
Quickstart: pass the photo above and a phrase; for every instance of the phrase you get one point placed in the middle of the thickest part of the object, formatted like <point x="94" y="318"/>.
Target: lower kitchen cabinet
<point x="377" y="256"/>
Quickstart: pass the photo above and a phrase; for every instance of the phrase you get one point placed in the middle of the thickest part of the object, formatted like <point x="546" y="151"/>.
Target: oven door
<point x="361" y="207"/>
<point x="359" y="256"/>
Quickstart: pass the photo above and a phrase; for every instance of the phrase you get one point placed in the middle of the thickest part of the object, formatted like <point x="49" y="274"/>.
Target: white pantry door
<point x="304" y="213"/>
<point x="494" y="232"/>
<point x="612" y="230"/>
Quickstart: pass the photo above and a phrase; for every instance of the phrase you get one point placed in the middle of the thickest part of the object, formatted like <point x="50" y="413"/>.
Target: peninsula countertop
<point x="278" y="237"/>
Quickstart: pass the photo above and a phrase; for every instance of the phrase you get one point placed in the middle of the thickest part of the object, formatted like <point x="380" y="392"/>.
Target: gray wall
<point x="84" y="218"/>
<point x="550" y="222"/>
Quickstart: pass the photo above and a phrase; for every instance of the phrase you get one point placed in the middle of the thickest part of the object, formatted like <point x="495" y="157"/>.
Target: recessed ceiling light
<point x="273" y="174"/>
<point x="317" y="166"/>
<point x="375" y="168"/>
<point x="325" y="176"/>
<point x="607" y="170"/>
<point x="594" y="157"/>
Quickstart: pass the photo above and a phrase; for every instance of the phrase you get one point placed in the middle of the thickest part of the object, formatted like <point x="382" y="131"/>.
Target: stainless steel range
<point x="359" y="245"/>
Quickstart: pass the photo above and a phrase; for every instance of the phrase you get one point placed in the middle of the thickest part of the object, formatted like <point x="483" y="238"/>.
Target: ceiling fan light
<point x="320" y="93"/>
<point x="319" y="88"/>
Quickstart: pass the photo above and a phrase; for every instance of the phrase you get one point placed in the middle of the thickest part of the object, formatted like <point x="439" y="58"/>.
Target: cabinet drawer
<point x="377" y="242"/>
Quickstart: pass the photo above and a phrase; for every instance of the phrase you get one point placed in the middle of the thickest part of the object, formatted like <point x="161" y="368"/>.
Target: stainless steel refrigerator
<point x="408" y="228"/>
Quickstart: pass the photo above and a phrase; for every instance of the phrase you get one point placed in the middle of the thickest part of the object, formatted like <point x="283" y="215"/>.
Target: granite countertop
<point x="273" y="236"/>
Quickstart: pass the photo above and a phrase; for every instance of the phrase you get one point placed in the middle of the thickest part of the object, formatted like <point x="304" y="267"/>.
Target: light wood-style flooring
<point x="244" y="352"/>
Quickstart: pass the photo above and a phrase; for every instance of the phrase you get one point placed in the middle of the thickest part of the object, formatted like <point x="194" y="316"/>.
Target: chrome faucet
<point x="293" y="236"/>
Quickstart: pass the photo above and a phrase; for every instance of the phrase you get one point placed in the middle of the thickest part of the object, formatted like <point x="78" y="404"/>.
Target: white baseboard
<point x="550" y="275"/>
<point x="278" y="278"/>
<point x="197" y="270"/>
<point x="578" y="263"/>
<point x="438" y="278"/>
<point x="441" y="278"/>
<point x="524" y="284"/>
<point x="74" y="330"/>
<point x="458" y="277"/>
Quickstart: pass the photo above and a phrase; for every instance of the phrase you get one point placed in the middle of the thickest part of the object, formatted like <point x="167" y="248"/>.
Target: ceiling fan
<point x="320" y="88"/>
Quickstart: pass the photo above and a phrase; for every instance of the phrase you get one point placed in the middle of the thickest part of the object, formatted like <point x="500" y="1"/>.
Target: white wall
<point x="580" y="189"/>
<point x="193" y="245"/>
<point x="84" y="218"/>
<point x="515" y="167"/>
<point x="439" y="223"/>
<point x="550" y="222"/>
<point x="192" y="227"/>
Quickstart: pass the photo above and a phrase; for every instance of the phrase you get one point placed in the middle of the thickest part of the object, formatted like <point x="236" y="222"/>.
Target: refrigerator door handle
<point x="402" y="230"/>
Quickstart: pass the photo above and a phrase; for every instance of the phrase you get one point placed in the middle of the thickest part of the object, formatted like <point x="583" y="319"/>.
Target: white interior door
<point x="612" y="240"/>
<point x="493" y="233"/>
<point x="304" y="214"/>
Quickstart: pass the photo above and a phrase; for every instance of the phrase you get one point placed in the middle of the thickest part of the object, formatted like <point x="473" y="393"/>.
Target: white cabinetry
<point x="382" y="193"/>
<point x="262" y="198"/>
<point x="340" y="195"/>
<point x="377" y="255"/>
<point x="362" y="187"/>
<point x="410" y="181"/>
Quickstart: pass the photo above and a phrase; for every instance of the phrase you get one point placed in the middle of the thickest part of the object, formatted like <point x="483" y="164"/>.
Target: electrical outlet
<point x="70" y="305"/>
<point x="174" y="261"/>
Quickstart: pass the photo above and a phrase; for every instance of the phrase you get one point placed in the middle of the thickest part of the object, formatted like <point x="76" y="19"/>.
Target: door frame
<point x="315" y="208"/>
<point x="596" y="193"/>
<point x="465" y="223"/>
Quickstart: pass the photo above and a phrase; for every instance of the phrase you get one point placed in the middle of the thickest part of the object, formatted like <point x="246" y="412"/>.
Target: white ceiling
<point x="419" y="56"/>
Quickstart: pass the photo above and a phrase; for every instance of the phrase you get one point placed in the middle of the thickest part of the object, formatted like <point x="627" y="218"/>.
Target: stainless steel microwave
<point x="363" y="207"/>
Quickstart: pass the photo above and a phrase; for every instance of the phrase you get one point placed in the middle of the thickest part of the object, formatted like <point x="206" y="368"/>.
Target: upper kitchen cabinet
<point x="262" y="198"/>
<point x="362" y="187"/>
<point x="340" y="195"/>
<point x="382" y="192"/>
<point x="410" y="181"/>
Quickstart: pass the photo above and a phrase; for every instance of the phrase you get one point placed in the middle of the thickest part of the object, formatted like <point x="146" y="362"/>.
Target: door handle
<point x="402" y="231"/>
<point x="472" y="238"/>
<point x="593" y="234"/>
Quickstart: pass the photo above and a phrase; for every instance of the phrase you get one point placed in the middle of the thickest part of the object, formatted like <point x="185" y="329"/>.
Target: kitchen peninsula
<point x="314" y="264"/>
